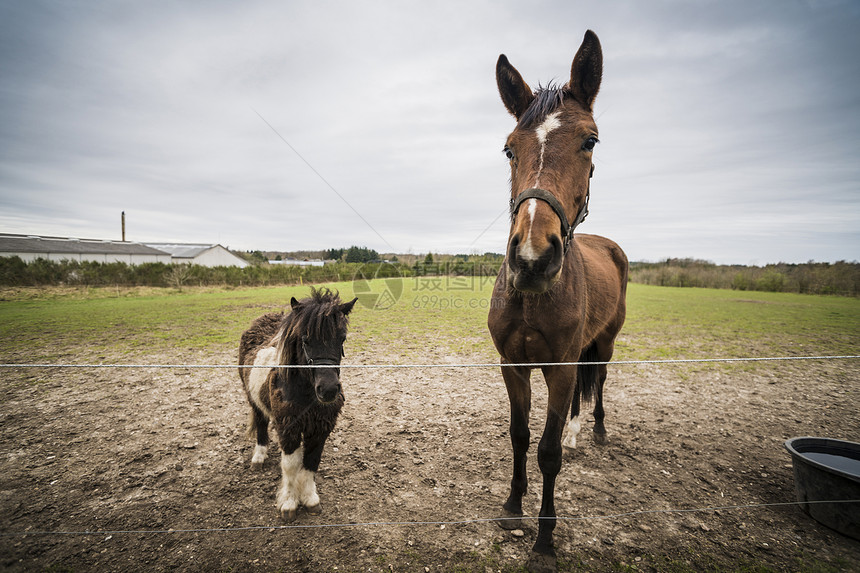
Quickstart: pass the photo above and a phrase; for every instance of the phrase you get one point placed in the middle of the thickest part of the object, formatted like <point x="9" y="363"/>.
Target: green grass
<point x="666" y="322"/>
<point x="433" y="320"/>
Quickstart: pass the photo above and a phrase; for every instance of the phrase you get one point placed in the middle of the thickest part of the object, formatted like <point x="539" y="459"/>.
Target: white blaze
<point x="551" y="123"/>
<point x="527" y="251"/>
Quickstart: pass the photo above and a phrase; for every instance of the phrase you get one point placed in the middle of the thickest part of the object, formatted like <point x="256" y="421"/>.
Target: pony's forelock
<point x="318" y="316"/>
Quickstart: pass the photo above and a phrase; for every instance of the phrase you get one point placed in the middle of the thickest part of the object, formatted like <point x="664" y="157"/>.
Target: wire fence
<point x="443" y="365"/>
<point x="427" y="523"/>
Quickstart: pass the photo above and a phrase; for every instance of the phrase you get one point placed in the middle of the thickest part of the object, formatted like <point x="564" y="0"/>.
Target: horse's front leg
<point x="560" y="381"/>
<point x="292" y="454"/>
<point x="311" y="462"/>
<point x="519" y="394"/>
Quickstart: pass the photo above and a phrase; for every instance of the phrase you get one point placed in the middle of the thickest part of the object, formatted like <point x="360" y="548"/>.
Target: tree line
<point x="839" y="278"/>
<point x="352" y="254"/>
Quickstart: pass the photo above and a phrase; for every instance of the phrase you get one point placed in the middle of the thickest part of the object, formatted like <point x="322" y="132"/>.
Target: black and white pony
<point x="303" y="403"/>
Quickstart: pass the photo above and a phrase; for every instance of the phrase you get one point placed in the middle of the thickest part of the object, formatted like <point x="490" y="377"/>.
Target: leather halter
<point x="550" y="199"/>
<point x="320" y="361"/>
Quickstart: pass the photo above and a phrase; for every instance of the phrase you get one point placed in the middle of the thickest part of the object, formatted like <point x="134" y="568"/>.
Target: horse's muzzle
<point x="327" y="385"/>
<point x="535" y="275"/>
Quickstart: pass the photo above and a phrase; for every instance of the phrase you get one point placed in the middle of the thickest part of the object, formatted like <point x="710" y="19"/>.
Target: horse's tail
<point x="251" y="430"/>
<point x="588" y="374"/>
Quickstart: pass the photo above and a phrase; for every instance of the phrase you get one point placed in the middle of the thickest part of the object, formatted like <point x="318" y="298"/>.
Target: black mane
<point x="547" y="100"/>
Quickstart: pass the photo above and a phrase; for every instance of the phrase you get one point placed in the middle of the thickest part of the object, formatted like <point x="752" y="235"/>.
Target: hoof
<point x="289" y="515"/>
<point x="600" y="434"/>
<point x="542" y="563"/>
<point x="256" y="466"/>
<point x="314" y="509"/>
<point x="510" y="521"/>
<point x="567" y="451"/>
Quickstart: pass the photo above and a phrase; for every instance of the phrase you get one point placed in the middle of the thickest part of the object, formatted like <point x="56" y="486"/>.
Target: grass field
<point x="662" y="322"/>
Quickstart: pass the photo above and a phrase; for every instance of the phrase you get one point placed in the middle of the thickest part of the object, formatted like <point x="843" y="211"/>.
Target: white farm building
<point x="200" y="254"/>
<point x="31" y="247"/>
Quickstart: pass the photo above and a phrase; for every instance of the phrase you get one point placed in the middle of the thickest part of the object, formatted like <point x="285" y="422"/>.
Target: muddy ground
<point x="156" y="461"/>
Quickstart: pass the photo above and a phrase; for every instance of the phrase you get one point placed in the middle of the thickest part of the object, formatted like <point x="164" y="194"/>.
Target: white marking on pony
<point x="257" y="380"/>
<point x="291" y="466"/>
<point x="549" y="124"/>
<point x="297" y="486"/>
<point x="259" y="456"/>
<point x="306" y="488"/>
<point x="573" y="428"/>
<point x="527" y="251"/>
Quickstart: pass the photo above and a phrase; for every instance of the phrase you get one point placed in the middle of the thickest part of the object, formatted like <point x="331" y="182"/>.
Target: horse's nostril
<point x="512" y="250"/>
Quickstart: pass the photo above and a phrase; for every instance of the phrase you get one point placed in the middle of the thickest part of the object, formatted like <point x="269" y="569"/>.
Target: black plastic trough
<point x="828" y="470"/>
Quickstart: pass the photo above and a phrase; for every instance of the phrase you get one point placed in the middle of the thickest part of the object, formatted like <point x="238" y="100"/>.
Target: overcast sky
<point x="730" y="130"/>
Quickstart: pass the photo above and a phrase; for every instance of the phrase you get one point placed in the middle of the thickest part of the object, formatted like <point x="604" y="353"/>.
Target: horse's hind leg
<point x="604" y="354"/>
<point x="573" y="425"/>
<point x="599" y="414"/>
<point x="259" y="427"/>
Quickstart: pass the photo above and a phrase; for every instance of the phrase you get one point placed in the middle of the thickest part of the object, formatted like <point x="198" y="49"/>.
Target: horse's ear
<point x="516" y="93"/>
<point x="293" y="302"/>
<point x="347" y="306"/>
<point x="587" y="71"/>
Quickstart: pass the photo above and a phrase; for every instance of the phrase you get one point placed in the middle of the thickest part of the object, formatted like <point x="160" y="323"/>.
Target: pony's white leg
<point x="573" y="428"/>
<point x="306" y="488"/>
<point x="288" y="495"/>
<point x="259" y="456"/>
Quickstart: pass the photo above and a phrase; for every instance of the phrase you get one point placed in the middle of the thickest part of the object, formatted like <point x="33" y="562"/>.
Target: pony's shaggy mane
<point x="318" y="316"/>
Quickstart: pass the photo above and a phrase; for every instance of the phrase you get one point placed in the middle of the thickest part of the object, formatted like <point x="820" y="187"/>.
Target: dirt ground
<point x="156" y="463"/>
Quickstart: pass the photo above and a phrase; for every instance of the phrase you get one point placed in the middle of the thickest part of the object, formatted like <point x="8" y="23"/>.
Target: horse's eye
<point x="590" y="143"/>
<point x="508" y="153"/>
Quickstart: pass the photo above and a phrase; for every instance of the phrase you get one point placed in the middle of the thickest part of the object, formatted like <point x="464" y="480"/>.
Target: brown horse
<point x="559" y="297"/>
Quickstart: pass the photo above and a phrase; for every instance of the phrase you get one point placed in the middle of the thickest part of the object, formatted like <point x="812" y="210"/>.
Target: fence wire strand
<point x="424" y="523"/>
<point x="444" y="365"/>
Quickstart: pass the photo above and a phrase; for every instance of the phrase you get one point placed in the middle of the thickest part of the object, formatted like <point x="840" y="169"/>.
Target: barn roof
<point x="10" y="243"/>
<point x="182" y="250"/>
